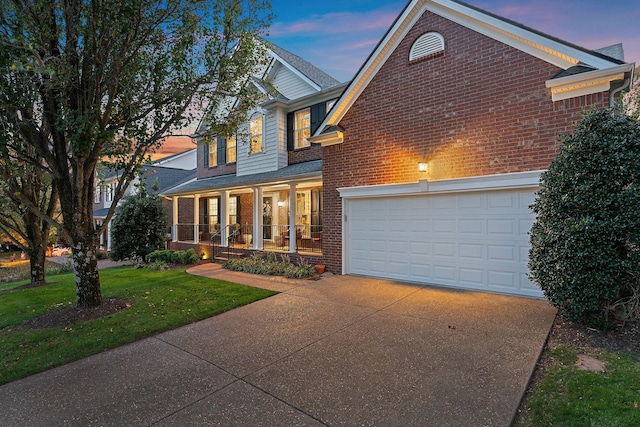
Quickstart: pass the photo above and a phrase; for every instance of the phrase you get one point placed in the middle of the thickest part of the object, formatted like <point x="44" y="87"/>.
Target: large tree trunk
<point x="37" y="236"/>
<point x="85" y="267"/>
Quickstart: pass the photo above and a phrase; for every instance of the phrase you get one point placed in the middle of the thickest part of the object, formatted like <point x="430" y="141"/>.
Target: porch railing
<point x="308" y="238"/>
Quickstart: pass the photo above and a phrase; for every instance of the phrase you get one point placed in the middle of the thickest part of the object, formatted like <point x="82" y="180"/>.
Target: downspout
<point x="626" y="84"/>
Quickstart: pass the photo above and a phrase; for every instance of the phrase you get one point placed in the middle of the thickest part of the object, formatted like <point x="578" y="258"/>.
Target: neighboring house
<point x="167" y="172"/>
<point x="432" y="156"/>
<point x="262" y="187"/>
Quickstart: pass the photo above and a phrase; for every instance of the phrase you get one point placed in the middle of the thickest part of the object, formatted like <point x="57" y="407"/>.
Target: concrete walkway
<point x="340" y="351"/>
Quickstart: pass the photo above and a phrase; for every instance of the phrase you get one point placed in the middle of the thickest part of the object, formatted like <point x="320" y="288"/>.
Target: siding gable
<point x="288" y="84"/>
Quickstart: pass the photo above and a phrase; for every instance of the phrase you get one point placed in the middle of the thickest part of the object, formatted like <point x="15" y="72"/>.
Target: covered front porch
<point x="217" y="215"/>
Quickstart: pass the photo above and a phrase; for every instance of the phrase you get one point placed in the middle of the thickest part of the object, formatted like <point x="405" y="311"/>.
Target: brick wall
<point x="480" y="108"/>
<point x="246" y="208"/>
<point x="314" y="152"/>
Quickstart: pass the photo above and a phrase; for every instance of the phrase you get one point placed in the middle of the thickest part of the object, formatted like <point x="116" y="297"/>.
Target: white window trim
<point x="97" y="195"/>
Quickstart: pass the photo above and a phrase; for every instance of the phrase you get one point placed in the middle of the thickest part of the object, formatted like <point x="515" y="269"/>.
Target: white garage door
<point x="473" y="240"/>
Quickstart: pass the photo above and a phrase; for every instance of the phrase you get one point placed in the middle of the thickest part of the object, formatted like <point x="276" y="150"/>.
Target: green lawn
<point x="566" y="396"/>
<point x="160" y="300"/>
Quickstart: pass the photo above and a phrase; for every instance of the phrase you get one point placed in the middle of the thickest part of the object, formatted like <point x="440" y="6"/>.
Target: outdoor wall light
<point x="280" y="203"/>
<point x="423" y="166"/>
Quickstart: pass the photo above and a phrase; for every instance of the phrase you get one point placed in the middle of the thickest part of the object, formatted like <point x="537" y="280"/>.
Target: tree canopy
<point x="88" y="81"/>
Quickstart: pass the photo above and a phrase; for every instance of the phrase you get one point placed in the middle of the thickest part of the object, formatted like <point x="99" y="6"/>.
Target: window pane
<point x="213" y="212"/>
<point x="302" y="128"/>
<point x="233" y="210"/>
<point x="255" y="130"/>
<point x="213" y="153"/>
<point x="231" y="149"/>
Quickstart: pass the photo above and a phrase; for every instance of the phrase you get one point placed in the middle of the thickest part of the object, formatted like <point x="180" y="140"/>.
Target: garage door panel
<point x="501" y="253"/>
<point x="444" y="272"/>
<point x="475" y="240"/>
<point x="471" y="226"/>
<point x="501" y="226"/>
<point x="472" y="201"/>
<point x="444" y="226"/>
<point x="471" y="251"/>
<point x="472" y="276"/>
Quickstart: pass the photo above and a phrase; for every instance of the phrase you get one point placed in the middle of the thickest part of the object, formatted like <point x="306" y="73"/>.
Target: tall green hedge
<point x="584" y="243"/>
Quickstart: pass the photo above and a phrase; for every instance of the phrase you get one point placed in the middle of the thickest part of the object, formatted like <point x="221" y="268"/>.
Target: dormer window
<point x="427" y="46"/>
<point x="255" y="134"/>
<point x="302" y="128"/>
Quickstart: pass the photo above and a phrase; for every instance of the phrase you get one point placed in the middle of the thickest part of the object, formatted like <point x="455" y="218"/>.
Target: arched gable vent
<point x="426" y="45"/>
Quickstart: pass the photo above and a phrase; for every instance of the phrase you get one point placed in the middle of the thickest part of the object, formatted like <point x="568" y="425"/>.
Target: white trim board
<point x="477" y="183"/>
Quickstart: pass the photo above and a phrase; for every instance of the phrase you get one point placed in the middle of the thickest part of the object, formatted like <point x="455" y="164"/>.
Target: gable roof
<point x="167" y="177"/>
<point x="562" y="54"/>
<point x="303" y="68"/>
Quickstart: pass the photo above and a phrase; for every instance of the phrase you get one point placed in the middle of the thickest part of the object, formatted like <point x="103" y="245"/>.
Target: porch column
<point x="174" y="220"/>
<point x="224" y="217"/>
<point x="257" y="218"/>
<point x="196" y="218"/>
<point x="292" y="217"/>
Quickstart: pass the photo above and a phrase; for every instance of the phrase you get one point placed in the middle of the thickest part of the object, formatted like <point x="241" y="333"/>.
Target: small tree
<point x="139" y="226"/>
<point x="585" y="252"/>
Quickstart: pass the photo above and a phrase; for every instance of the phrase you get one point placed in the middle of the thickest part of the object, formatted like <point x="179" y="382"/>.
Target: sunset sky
<point x="338" y="35"/>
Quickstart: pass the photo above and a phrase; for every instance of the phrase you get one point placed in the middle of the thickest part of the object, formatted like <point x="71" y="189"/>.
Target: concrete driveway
<point x="340" y="351"/>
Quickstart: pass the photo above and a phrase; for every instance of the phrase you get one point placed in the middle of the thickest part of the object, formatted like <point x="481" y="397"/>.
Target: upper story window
<point x="426" y="45"/>
<point x="213" y="152"/>
<point x="231" y="149"/>
<point x="108" y="196"/>
<point x="255" y="133"/>
<point x="302" y="128"/>
<point x="97" y="196"/>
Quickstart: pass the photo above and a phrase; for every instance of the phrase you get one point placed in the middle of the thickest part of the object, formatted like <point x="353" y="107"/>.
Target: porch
<point x="210" y="242"/>
<point x="279" y="211"/>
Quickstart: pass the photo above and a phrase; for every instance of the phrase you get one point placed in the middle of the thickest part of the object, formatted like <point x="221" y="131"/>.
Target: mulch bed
<point x="71" y="315"/>
<point x="624" y="338"/>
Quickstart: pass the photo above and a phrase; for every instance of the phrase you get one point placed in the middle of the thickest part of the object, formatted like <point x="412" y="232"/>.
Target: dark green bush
<point x="584" y="243"/>
<point x="139" y="226"/>
<point x="171" y="256"/>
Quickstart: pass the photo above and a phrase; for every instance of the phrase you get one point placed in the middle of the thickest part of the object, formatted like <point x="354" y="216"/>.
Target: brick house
<point x="432" y="155"/>
<point x="262" y="188"/>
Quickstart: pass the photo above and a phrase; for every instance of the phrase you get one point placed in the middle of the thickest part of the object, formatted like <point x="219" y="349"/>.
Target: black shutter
<point x="318" y="112"/>
<point x="205" y="149"/>
<point x="222" y="150"/>
<point x="291" y="117"/>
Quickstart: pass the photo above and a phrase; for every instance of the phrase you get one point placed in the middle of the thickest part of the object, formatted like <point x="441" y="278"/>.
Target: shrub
<point x="139" y="226"/>
<point x="170" y="256"/>
<point x="267" y="263"/>
<point x="585" y="252"/>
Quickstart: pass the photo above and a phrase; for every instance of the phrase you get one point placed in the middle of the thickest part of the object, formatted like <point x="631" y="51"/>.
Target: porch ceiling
<point x="307" y="171"/>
